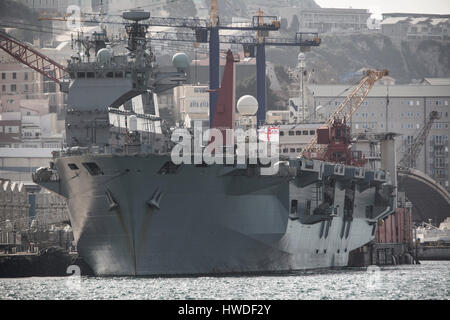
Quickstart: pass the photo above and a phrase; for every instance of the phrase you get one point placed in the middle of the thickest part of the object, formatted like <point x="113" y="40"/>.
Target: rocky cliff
<point x="340" y="55"/>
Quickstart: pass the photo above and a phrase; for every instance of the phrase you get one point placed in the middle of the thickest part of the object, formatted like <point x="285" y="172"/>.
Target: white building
<point x="403" y="109"/>
<point x="17" y="164"/>
<point x="192" y="103"/>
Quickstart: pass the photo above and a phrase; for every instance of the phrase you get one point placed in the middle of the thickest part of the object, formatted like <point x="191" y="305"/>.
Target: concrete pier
<point x="433" y="252"/>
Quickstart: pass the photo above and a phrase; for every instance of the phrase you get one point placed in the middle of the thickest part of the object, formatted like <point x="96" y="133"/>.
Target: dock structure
<point x="394" y="241"/>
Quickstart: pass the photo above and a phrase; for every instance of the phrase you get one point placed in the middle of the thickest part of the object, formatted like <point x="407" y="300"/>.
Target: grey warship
<point x="136" y="213"/>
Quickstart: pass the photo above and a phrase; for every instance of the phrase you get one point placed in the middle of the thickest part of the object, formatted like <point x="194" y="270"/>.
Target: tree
<point x="248" y="87"/>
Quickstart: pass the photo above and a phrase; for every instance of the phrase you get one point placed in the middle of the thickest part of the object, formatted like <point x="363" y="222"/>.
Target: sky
<point x="385" y="6"/>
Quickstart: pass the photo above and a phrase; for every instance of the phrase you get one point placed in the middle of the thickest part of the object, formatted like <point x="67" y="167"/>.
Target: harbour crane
<point x="331" y="142"/>
<point x="260" y="23"/>
<point x="409" y="158"/>
<point x="34" y="59"/>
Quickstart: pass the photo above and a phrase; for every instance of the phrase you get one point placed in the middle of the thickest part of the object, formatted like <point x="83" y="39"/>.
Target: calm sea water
<point x="430" y="280"/>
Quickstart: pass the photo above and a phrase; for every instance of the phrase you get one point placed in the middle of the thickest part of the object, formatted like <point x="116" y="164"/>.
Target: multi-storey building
<point x="334" y="19"/>
<point x="19" y="82"/>
<point x="14" y="206"/>
<point x="406" y="26"/>
<point x="18" y="79"/>
<point x="403" y="109"/>
<point x="192" y="104"/>
<point x="60" y="6"/>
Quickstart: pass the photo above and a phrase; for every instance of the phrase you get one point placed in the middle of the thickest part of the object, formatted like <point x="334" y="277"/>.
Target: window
<point x="110" y="75"/>
<point x="90" y="75"/>
<point x="285" y="150"/>
<point x="281" y="133"/>
<point x="294" y="204"/>
<point x="73" y="166"/>
<point x="92" y="168"/>
<point x="118" y="74"/>
<point x="305" y="132"/>
<point x="3" y="76"/>
<point x="440" y="163"/>
<point x="3" y="88"/>
<point x="292" y="150"/>
<point x="81" y="75"/>
<point x="25" y="76"/>
<point x="14" y="75"/>
<point x="312" y="132"/>
<point x="298" y="133"/>
<point x="13" y="88"/>
<point x="410" y="139"/>
<point x="291" y="133"/>
<point x="299" y="149"/>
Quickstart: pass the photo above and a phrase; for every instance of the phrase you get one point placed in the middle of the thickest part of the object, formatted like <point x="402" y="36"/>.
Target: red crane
<point x="33" y="59"/>
<point x="332" y="141"/>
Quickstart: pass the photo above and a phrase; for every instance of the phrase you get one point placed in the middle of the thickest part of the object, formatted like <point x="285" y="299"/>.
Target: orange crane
<point x="331" y="142"/>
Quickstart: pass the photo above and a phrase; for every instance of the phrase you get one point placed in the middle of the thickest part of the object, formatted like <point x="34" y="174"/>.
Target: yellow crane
<point x="348" y="107"/>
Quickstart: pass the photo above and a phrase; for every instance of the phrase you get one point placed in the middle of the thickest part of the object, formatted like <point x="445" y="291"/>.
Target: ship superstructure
<point x="135" y="212"/>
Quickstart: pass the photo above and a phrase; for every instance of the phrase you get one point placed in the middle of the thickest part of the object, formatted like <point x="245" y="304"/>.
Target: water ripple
<point x="430" y="280"/>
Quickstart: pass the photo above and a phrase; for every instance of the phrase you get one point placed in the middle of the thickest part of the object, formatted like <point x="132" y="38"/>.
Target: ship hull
<point x="139" y="216"/>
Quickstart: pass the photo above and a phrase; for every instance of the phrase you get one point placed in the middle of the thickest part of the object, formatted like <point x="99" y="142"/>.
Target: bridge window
<point x="92" y="168"/>
<point x="294" y="204"/>
<point x="73" y="166"/>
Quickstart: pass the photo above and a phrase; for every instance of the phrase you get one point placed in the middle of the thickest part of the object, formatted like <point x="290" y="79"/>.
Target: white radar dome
<point x="181" y="61"/>
<point x="132" y="123"/>
<point x="104" y="56"/>
<point x="247" y="105"/>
